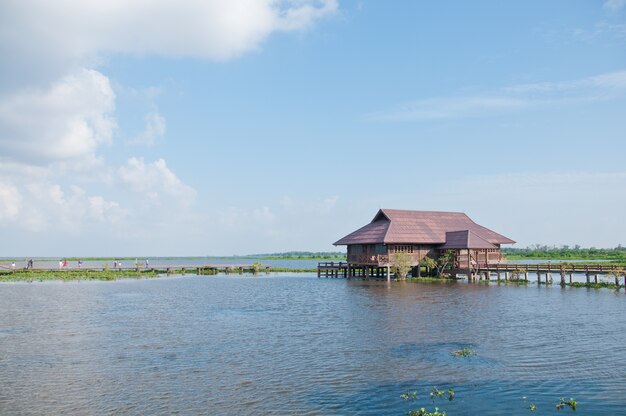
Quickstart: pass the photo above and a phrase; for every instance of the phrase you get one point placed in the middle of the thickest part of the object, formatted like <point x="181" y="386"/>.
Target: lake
<point x="296" y="345"/>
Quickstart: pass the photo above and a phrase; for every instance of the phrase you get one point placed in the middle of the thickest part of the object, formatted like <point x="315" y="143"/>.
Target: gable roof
<point x="465" y="239"/>
<point x="393" y="226"/>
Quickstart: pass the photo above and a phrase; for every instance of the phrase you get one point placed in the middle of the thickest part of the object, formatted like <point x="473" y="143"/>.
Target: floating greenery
<point x="423" y="412"/>
<point x="464" y="352"/>
<point x="435" y="393"/>
<point x="563" y="403"/>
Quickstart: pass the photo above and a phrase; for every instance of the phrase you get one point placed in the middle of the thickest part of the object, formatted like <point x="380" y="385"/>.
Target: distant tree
<point x="401" y="264"/>
<point x="429" y="263"/>
<point x="445" y="259"/>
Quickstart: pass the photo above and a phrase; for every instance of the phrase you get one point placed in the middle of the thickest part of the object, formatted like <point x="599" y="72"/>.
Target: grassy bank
<point x="71" y="275"/>
<point x="21" y="275"/>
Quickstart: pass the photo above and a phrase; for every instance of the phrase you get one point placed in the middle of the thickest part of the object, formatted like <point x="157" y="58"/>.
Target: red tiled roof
<point x="465" y="239"/>
<point x="392" y="226"/>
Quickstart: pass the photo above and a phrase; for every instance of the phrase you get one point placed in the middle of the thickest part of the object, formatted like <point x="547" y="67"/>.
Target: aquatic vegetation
<point x="464" y="352"/>
<point x="423" y="412"/>
<point x="411" y="395"/>
<point x="451" y="394"/>
<point x="256" y="267"/>
<point x="71" y="275"/>
<point x="433" y="279"/>
<point x="532" y="407"/>
<point x="599" y="285"/>
<point x="563" y="403"/>
<point x="434" y="394"/>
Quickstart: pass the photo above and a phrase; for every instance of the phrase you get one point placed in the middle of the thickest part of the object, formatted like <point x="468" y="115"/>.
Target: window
<point x="380" y="249"/>
<point x="403" y="248"/>
<point x="355" y="249"/>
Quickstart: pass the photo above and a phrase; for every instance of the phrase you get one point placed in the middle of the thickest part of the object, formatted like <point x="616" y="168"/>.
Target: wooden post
<point x="388" y="275"/>
<point x="587" y="276"/>
<point x="469" y="265"/>
<point x="538" y="277"/>
<point x="595" y="278"/>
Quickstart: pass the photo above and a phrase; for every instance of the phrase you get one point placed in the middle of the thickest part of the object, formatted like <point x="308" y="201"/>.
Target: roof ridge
<point x="421" y="210"/>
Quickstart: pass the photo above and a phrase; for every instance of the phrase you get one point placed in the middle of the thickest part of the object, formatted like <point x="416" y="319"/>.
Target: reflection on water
<point x="300" y="345"/>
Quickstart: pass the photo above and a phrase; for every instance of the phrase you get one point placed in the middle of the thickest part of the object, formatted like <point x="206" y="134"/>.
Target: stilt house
<point x="421" y="234"/>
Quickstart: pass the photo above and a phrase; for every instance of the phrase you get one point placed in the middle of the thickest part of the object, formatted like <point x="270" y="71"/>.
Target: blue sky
<point x="247" y="126"/>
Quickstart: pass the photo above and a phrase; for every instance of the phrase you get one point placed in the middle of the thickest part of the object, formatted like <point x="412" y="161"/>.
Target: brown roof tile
<point x="393" y="226"/>
<point x="465" y="239"/>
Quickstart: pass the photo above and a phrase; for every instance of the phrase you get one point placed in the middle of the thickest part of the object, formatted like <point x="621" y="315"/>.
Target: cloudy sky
<point x="199" y="127"/>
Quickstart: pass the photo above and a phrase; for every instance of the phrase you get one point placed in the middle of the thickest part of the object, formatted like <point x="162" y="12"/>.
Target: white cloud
<point x="614" y="5"/>
<point x="55" y="115"/>
<point x="156" y="182"/>
<point x="154" y="129"/>
<point x="10" y="202"/>
<point x="70" y="33"/>
<point x="64" y="123"/>
<point x="512" y="98"/>
<point x="41" y="205"/>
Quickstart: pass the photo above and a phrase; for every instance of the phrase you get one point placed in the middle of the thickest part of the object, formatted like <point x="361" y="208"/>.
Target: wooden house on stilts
<point x="419" y="234"/>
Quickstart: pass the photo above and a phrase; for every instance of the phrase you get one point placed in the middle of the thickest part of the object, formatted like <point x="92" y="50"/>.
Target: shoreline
<point x="77" y="275"/>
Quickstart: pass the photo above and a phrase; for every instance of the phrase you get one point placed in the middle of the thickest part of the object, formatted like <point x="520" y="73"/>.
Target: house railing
<point x="373" y="259"/>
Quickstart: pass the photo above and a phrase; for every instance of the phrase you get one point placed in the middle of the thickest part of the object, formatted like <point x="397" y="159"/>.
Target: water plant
<point x="532" y="407"/>
<point x="256" y="267"/>
<point x="434" y="393"/>
<point x="464" y="352"/>
<point x="76" y="274"/>
<point x="411" y="395"/>
<point x="563" y="403"/>
<point x="423" y="412"/>
<point x="451" y="394"/>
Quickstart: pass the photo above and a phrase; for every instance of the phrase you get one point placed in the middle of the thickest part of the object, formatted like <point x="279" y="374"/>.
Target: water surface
<point x="285" y="344"/>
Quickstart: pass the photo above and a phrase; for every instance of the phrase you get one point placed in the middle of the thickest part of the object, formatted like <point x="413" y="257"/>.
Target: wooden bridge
<point x="501" y="271"/>
<point x="158" y="268"/>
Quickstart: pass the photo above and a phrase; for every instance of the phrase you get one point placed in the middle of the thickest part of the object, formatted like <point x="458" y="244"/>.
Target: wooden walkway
<point x="509" y="271"/>
<point x="158" y="268"/>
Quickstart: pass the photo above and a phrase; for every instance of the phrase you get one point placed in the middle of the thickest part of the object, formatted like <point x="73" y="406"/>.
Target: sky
<point x="220" y="127"/>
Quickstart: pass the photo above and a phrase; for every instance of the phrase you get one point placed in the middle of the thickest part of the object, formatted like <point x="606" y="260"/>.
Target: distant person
<point x="147" y="264"/>
<point x="13" y="265"/>
<point x="64" y="263"/>
<point x="80" y="263"/>
<point x="115" y="264"/>
<point x="60" y="264"/>
<point x="30" y="264"/>
<point x="119" y="265"/>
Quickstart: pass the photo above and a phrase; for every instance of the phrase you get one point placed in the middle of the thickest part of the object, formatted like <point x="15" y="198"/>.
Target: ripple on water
<point x="293" y="345"/>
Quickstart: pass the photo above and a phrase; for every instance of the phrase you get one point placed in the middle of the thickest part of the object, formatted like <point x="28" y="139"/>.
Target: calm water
<point x="301" y="345"/>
